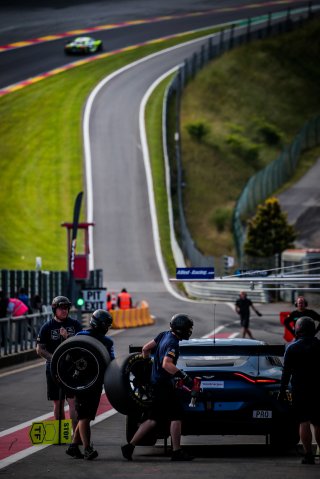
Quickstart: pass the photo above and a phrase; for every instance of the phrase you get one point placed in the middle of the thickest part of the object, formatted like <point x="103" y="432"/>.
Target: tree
<point x="198" y="130"/>
<point x="268" y="232"/>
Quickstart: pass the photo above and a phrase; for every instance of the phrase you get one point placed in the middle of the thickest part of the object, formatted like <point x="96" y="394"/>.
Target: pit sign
<point x="94" y="299"/>
<point x="47" y="432"/>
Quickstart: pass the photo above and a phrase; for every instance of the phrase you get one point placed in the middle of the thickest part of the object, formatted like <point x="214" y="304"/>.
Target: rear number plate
<point x="212" y="384"/>
<point x="260" y="414"/>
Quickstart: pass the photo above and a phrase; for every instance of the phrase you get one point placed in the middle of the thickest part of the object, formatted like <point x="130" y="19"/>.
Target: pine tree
<point x="268" y="232"/>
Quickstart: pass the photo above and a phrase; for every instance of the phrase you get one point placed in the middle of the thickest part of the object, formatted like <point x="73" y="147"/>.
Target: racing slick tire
<point x="79" y="363"/>
<point x="127" y="383"/>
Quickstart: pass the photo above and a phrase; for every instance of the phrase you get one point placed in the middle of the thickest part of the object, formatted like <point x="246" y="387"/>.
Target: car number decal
<point x="212" y="384"/>
<point x="261" y="414"/>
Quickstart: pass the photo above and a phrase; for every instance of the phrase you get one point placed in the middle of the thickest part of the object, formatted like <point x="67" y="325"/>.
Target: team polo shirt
<point x="49" y="334"/>
<point x="167" y="345"/>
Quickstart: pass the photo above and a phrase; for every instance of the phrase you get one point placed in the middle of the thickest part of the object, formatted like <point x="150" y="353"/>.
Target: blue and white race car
<point x="236" y="386"/>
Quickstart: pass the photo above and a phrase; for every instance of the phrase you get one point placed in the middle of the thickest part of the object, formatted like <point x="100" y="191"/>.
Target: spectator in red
<point x="16" y="307"/>
<point x="124" y="300"/>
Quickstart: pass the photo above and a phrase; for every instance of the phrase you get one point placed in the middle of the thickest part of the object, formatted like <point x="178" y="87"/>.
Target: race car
<point x="235" y="387"/>
<point x="83" y="45"/>
<point x="235" y="392"/>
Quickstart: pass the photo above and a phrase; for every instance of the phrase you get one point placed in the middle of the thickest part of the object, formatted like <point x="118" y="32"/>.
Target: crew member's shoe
<point x="74" y="451"/>
<point x="127" y="451"/>
<point x="308" y="459"/>
<point x="181" y="455"/>
<point x="90" y="453"/>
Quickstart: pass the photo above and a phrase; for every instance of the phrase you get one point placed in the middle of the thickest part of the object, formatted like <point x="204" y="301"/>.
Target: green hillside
<point x="252" y="102"/>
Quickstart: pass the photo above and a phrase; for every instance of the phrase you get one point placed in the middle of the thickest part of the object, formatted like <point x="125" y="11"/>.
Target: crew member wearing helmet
<point x="87" y="403"/>
<point x="165" y="404"/>
<point x="301" y="360"/>
<point x="51" y="334"/>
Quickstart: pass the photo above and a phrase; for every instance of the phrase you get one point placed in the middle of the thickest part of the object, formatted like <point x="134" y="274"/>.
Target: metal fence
<point x="47" y="284"/>
<point x="273" y="176"/>
<point x="237" y="34"/>
<point x="19" y="334"/>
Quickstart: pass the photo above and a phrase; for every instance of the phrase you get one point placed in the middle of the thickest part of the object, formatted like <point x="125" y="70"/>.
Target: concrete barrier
<point x="132" y="318"/>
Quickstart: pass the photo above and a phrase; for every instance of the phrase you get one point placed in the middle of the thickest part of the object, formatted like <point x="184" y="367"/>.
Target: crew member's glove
<point x="187" y="380"/>
<point x="258" y="313"/>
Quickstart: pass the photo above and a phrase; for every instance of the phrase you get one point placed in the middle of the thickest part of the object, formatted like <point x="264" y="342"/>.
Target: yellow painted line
<point x="78" y="32"/>
<point x="49" y="38"/>
<point x="22" y="44"/>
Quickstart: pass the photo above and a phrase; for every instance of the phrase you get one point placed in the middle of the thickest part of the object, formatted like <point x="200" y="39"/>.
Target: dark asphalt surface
<point x="21" y="20"/>
<point x="302" y="203"/>
<point x="244" y="457"/>
<point x="27" y="23"/>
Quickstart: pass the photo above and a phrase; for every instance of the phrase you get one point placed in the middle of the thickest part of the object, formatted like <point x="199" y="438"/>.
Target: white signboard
<point x="94" y="299"/>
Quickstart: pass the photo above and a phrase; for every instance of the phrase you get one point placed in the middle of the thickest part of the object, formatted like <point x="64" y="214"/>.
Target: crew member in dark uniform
<point x="87" y="402"/>
<point x="302" y="310"/>
<point x="301" y="362"/>
<point x="52" y="333"/>
<point x="165" y="404"/>
<point x="243" y="305"/>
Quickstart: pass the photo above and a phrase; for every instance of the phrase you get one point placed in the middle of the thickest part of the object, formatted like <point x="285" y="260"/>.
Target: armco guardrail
<point x="18" y="336"/>
<point x="47" y="284"/>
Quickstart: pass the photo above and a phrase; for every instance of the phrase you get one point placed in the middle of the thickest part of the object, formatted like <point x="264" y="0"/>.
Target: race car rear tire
<point x="127" y="383"/>
<point x="79" y="363"/>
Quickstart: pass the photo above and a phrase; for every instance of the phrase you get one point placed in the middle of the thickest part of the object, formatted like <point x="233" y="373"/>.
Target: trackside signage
<point x="94" y="299"/>
<point x="50" y="432"/>
<point x="194" y="273"/>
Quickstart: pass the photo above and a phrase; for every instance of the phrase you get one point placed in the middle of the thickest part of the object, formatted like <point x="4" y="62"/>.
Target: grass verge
<point x="41" y="159"/>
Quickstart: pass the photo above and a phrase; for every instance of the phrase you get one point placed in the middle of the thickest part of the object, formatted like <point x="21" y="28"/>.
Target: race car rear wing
<point x="225" y="350"/>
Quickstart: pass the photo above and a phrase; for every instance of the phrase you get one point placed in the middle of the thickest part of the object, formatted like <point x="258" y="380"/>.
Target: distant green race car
<point x="83" y="45"/>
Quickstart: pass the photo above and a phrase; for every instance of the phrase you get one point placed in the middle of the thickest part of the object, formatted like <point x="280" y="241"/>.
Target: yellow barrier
<point x="132" y="318"/>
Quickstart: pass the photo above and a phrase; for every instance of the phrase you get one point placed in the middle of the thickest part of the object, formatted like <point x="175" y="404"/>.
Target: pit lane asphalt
<point x="216" y="456"/>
